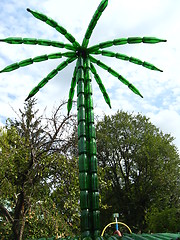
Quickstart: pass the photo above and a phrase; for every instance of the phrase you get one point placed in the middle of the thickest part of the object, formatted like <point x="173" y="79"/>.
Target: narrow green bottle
<point x="120" y="41"/>
<point x="134" y="40"/>
<point x="26" y="62"/>
<point x="95" y="201"/>
<point x="30" y="41"/>
<point x="152" y="40"/>
<point x="40" y="58"/>
<point x="93" y="164"/>
<point x="84" y="180"/>
<point x="83" y="163"/>
<point x="12" y="40"/>
<point x="106" y="44"/>
<point x="10" y="67"/>
<point x="84" y="196"/>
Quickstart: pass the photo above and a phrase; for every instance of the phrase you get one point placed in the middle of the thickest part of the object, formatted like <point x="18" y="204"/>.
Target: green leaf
<point x="121" y="41"/>
<point x="10" y="68"/>
<point x="126" y="58"/>
<point x="152" y="40"/>
<point x="55" y="25"/>
<point x="135" y="90"/>
<point x="103" y="4"/>
<point x="101" y="86"/>
<point x="50" y="76"/>
<point x="71" y="91"/>
<point x="114" y="73"/>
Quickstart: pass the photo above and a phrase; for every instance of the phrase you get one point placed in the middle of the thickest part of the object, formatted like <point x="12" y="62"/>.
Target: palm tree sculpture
<point x="89" y="195"/>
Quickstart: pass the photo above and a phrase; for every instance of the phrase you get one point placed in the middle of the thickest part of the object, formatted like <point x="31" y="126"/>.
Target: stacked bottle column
<point x="91" y="151"/>
<point x="83" y="160"/>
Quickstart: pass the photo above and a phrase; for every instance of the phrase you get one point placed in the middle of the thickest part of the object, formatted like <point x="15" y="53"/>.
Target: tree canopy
<point x="34" y="152"/>
<point x="141" y="166"/>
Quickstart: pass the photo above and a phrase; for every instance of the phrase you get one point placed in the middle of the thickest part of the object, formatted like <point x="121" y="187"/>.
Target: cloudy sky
<point x="122" y="18"/>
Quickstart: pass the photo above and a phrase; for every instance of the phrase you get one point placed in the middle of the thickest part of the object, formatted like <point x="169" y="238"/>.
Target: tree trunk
<point x="89" y="194"/>
<point x="19" y="218"/>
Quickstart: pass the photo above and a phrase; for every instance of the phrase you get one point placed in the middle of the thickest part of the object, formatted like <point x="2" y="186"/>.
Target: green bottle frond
<point x="55" y="25"/>
<point x="41" y="58"/>
<point x="122" y="41"/>
<point x="115" y="74"/>
<point x="34" y="41"/>
<point x="100" y="84"/>
<point x="153" y="40"/>
<point x="126" y="58"/>
<point x="50" y="76"/>
<point x="93" y="22"/>
<point x="71" y="91"/>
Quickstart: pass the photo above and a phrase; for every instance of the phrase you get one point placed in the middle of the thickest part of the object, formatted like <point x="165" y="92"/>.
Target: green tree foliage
<point x="142" y="165"/>
<point x="30" y="147"/>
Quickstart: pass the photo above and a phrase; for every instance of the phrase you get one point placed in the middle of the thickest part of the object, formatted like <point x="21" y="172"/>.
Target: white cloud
<point x="159" y="18"/>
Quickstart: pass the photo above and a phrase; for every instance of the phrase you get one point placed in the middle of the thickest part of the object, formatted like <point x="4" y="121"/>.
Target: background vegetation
<point x="139" y="174"/>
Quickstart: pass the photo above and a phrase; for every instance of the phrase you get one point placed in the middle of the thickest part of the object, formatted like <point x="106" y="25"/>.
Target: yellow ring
<point x="115" y="223"/>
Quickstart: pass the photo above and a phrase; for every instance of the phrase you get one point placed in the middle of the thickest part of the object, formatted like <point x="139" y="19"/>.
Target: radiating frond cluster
<point x="76" y="50"/>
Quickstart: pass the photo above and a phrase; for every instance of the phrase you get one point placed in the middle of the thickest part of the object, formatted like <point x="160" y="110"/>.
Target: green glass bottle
<point x="57" y="44"/>
<point x="96" y="219"/>
<point x="120" y="41"/>
<point x="84" y="180"/>
<point x="81" y="129"/>
<point x="114" y="73"/>
<point x="95" y="200"/>
<point x="84" y="196"/>
<point x="62" y="65"/>
<point x="26" y="62"/>
<point x="38" y="15"/>
<point x="93" y="48"/>
<point x="122" y="56"/>
<point x="89" y="101"/>
<point x="123" y="80"/>
<point x="92" y="131"/>
<point x="83" y="163"/>
<point x="90" y="116"/>
<point x="88" y="89"/>
<point x="80" y="74"/>
<point x="108" y="53"/>
<point x="152" y="40"/>
<point x="52" y="74"/>
<point x="42" y="83"/>
<point x="82" y="145"/>
<point x="51" y="22"/>
<point x="106" y="44"/>
<point x="104" y="66"/>
<point x="40" y="58"/>
<point x="85" y="220"/>
<point x="94" y="182"/>
<point x="10" y="67"/>
<point x="103" y="4"/>
<point x="92" y="147"/>
<point x="135" y="60"/>
<point x="30" y="41"/>
<point x="12" y="40"/>
<point x="61" y="29"/>
<point x="89" y="31"/>
<point x="134" y="40"/>
<point x="80" y="100"/>
<point x="93" y="164"/>
<point x="70" y="38"/>
<point x="80" y="87"/>
<point x="151" y="66"/>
